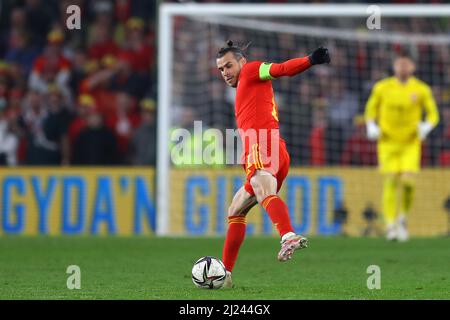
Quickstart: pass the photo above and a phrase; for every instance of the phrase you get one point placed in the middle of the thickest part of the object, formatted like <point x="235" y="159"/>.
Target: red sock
<point x="278" y="213"/>
<point x="233" y="241"/>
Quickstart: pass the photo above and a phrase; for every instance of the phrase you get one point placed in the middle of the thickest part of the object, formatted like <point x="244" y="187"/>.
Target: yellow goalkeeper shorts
<point x="396" y="158"/>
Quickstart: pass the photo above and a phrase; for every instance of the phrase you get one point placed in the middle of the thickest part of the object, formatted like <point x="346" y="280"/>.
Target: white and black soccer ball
<point x="208" y="272"/>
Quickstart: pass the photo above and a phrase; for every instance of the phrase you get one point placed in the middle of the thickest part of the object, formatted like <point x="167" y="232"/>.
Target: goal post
<point x="206" y="26"/>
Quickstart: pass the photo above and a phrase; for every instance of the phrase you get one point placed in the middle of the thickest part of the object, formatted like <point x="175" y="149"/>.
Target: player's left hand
<point x="319" y="56"/>
<point x="373" y="131"/>
<point x="424" y="129"/>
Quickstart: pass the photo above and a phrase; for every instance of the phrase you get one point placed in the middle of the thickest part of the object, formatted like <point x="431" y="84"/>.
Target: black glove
<point x="319" y="56"/>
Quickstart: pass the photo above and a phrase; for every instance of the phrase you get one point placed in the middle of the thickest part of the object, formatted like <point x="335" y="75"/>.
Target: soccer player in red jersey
<point x="265" y="158"/>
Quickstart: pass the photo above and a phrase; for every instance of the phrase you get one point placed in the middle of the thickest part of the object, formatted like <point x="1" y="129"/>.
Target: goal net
<point x="333" y="185"/>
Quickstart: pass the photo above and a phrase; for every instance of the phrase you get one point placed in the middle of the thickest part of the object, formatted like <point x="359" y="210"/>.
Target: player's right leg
<point x="390" y="166"/>
<point x="237" y="212"/>
<point x="390" y="185"/>
<point x="265" y="186"/>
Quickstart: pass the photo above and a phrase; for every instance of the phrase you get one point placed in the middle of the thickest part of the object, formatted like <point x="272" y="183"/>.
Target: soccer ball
<point x="208" y="272"/>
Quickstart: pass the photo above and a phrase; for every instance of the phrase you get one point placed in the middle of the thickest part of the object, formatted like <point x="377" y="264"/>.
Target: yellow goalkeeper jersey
<point x="399" y="107"/>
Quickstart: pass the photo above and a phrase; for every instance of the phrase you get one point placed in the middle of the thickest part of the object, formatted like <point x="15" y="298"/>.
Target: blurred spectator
<point x="13" y="114"/>
<point x="101" y="13"/>
<point x="45" y="125"/>
<point x="97" y="83"/>
<point x="135" y="84"/>
<point x="96" y="143"/>
<point x="8" y="140"/>
<point x="14" y="108"/>
<point x="123" y="10"/>
<point x="17" y="24"/>
<point x="57" y="123"/>
<point x="30" y="123"/>
<point x="84" y="106"/>
<point x="136" y="51"/>
<point x="16" y="75"/>
<point x="102" y="42"/>
<point x="20" y="52"/>
<point x="18" y="19"/>
<point x="143" y="141"/>
<point x="52" y="67"/>
<point x="81" y="67"/>
<point x="123" y="121"/>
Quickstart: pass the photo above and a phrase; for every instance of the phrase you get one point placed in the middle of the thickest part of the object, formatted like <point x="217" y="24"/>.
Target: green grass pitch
<point x="159" y="268"/>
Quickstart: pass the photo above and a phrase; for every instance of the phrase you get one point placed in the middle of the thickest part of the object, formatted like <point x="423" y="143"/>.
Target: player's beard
<point x="230" y="84"/>
<point x="237" y="80"/>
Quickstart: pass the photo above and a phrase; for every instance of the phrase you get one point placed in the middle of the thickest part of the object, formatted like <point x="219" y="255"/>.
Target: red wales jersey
<point x="257" y="117"/>
<point x="255" y="106"/>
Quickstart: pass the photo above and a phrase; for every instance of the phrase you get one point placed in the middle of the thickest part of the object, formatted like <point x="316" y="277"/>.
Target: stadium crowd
<point x="77" y="96"/>
<point x="88" y="97"/>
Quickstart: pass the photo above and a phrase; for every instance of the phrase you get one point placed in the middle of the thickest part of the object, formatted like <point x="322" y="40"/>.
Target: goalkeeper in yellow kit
<point x="395" y="117"/>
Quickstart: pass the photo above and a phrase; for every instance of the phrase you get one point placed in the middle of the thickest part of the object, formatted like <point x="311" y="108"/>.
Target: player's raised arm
<point x="292" y="67"/>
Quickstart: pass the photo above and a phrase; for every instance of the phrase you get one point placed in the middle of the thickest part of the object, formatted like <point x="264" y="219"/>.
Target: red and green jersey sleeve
<point x="292" y="67"/>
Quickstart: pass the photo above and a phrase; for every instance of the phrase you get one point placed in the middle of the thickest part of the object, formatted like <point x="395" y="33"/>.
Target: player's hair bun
<point x="238" y="51"/>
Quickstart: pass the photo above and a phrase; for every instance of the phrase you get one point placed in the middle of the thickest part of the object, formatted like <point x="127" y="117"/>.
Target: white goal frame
<point x="165" y="41"/>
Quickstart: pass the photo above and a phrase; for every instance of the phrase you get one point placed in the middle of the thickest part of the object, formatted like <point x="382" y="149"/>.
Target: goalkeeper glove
<point x="424" y="129"/>
<point x="319" y="56"/>
<point x="373" y="131"/>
